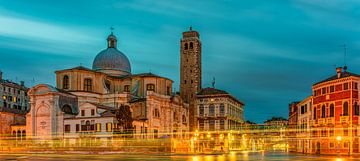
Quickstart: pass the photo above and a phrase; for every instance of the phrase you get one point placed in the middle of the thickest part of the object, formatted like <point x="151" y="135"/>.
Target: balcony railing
<point x="344" y="119"/>
<point x="322" y="121"/>
<point x="330" y="120"/>
<point x="313" y="123"/>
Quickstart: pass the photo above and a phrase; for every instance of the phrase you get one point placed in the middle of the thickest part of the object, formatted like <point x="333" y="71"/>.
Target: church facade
<point x="106" y="100"/>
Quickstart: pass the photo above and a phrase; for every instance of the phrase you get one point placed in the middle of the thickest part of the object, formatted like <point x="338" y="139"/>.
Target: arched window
<point x="356" y="109"/>
<point x="150" y="87"/>
<point x="18" y="133"/>
<point x="66" y="82"/>
<point x="323" y="111"/>
<point x="211" y="110"/>
<point x="315" y="113"/>
<point x="23" y="133"/>
<point x="201" y="110"/>
<point x="67" y="109"/>
<point x="183" y="119"/>
<point x="88" y="126"/>
<point x="222" y="109"/>
<point x="191" y="45"/>
<point x="14" y="133"/>
<point x="345" y="109"/>
<point x="88" y="84"/>
<point x="186" y="46"/>
<point x="332" y="110"/>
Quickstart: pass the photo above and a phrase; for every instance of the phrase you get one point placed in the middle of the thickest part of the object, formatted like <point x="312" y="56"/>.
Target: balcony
<point x="313" y="123"/>
<point x="344" y="119"/>
<point x="322" y="121"/>
<point x="330" y="120"/>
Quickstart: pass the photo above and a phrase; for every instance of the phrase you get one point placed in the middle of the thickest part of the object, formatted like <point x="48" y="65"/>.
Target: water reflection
<point x="248" y="156"/>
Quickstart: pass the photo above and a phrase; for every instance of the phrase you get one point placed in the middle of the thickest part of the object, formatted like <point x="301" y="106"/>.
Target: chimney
<point x="338" y="71"/>
<point x="22" y="83"/>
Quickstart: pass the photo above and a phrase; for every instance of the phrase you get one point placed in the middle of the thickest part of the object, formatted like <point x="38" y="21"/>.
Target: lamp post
<point x="338" y="138"/>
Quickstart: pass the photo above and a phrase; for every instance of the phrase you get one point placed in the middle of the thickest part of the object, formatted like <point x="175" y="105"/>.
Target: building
<point x="335" y="110"/>
<point x="328" y="121"/>
<point x="291" y="130"/>
<point x="218" y="113"/>
<point x="106" y="100"/>
<point x="303" y="125"/>
<point x="190" y="71"/>
<point x="14" y="104"/>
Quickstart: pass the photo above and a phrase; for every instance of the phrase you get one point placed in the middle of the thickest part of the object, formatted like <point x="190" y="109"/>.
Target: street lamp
<point x="338" y="138"/>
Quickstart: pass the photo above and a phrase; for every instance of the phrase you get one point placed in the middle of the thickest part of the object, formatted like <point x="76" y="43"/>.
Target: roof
<point x="102" y="106"/>
<point x="13" y="84"/>
<point x="334" y="77"/>
<point x="76" y="68"/>
<point x="216" y="92"/>
<point x="211" y="91"/>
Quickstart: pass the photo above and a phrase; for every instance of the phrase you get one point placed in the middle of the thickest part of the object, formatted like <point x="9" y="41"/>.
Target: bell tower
<point x="190" y="70"/>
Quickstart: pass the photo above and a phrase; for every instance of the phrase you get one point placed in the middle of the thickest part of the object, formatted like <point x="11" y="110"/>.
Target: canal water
<point x="272" y="156"/>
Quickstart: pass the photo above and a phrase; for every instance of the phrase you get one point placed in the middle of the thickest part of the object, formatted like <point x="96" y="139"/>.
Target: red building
<point x="335" y="114"/>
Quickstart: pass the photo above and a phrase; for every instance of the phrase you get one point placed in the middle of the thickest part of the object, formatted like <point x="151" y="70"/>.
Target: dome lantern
<point x="112" y="39"/>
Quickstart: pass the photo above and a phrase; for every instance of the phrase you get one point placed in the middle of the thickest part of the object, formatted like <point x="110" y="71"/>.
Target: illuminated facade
<point x="336" y="114"/>
<point x="328" y="121"/>
<point x="303" y="125"/>
<point x="85" y="102"/>
<point x="190" y="71"/>
<point x="14" y="104"/>
<point x="217" y="110"/>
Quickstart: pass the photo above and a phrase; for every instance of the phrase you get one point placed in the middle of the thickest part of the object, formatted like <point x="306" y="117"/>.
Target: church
<point x="106" y="100"/>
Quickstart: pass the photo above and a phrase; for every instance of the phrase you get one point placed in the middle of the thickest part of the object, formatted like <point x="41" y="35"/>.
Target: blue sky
<point x="266" y="53"/>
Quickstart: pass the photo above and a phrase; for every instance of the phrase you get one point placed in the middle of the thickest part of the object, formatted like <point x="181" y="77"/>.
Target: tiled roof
<point x="77" y="68"/>
<point x="342" y="75"/>
<point x="102" y="106"/>
<point x="13" y="84"/>
<point x="211" y="91"/>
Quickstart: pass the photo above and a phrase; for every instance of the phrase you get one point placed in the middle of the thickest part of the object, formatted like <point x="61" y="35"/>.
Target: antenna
<point x="345" y="48"/>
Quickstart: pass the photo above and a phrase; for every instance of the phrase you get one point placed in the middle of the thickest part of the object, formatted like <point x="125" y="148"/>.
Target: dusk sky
<point x="267" y="53"/>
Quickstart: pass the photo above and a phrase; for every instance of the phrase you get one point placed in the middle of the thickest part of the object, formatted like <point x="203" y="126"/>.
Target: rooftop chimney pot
<point x="338" y="71"/>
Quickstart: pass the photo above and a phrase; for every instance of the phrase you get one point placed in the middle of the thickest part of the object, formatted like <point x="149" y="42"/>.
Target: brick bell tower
<point x="190" y="71"/>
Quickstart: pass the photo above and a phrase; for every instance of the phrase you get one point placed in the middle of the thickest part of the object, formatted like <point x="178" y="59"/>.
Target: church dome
<point x="112" y="61"/>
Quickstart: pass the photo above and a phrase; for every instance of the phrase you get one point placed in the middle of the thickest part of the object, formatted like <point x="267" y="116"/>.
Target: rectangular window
<point x="323" y="133"/>
<point x="332" y="89"/>
<point x="212" y="125"/>
<point x="346" y="86"/>
<point x="82" y="112"/>
<point x="88" y="84"/>
<point x="331" y="131"/>
<point x="323" y="90"/>
<point x="355" y="85"/>
<point x="108" y="127"/>
<point x="67" y="128"/>
<point x="346" y="132"/>
<point x="92" y="112"/>
<point x="127" y="88"/>
<point x="77" y="127"/>
<point x="222" y="124"/>
<point x="98" y="127"/>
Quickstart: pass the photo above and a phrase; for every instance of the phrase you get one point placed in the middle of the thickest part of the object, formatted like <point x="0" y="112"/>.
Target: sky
<point x="265" y="53"/>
